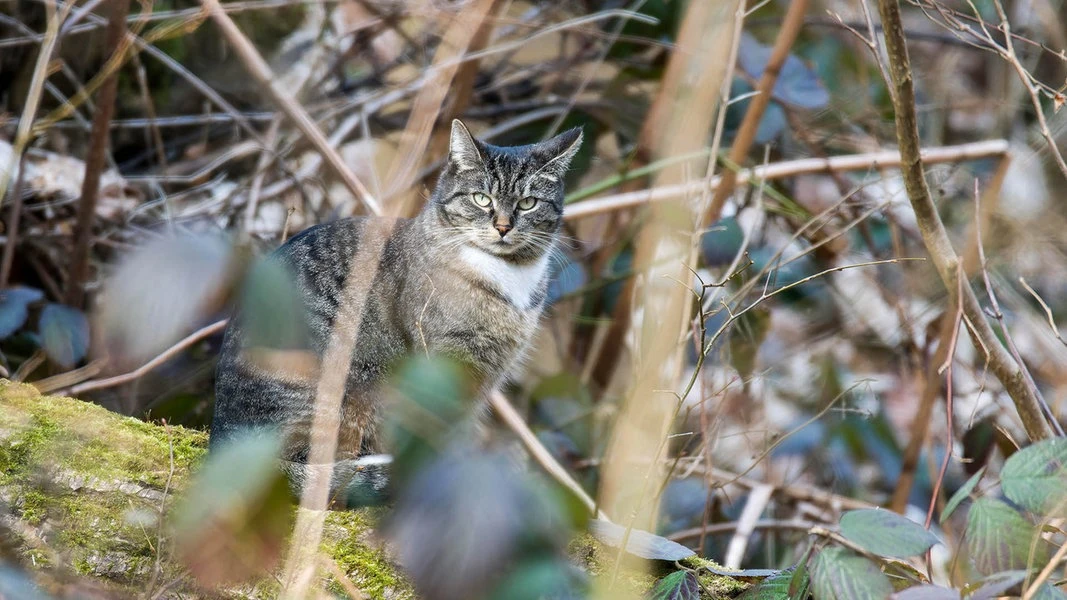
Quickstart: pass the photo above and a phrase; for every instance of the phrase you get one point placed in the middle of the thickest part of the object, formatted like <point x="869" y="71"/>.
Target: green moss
<point x="720" y="585"/>
<point x="367" y="566"/>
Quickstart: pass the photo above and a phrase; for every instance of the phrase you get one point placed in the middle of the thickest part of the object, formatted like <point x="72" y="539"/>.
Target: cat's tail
<point x="354" y="483"/>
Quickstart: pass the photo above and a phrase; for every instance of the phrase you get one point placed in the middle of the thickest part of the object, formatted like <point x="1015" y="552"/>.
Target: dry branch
<point x="933" y="231"/>
<point x="260" y="71"/>
<point x="853" y="162"/>
<point x="746" y="134"/>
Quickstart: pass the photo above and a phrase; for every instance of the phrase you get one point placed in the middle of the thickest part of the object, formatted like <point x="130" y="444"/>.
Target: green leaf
<point x="999" y="539"/>
<point x="1047" y="591"/>
<point x="235" y="519"/>
<point x="838" y="574"/>
<point x="995" y="585"/>
<point x="746" y="336"/>
<point x="926" y="592"/>
<point x="680" y="585"/>
<point x="886" y="533"/>
<point x="776" y="587"/>
<point x="273" y="315"/>
<point x="639" y="543"/>
<point x="961" y="494"/>
<point x="1036" y="477"/>
<point x="64" y="334"/>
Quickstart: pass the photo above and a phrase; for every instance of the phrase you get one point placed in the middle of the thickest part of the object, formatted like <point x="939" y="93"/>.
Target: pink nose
<point x="502" y="228"/>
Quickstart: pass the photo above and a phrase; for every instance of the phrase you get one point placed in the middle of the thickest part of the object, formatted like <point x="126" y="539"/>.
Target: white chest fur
<point x="518" y="283"/>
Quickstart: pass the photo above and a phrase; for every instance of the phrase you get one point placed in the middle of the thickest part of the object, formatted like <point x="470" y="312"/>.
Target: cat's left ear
<point x="559" y="151"/>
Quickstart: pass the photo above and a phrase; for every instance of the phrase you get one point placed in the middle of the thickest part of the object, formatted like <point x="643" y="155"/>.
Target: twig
<point x="95" y="158"/>
<point x="999" y="316"/>
<point x="933" y="230"/>
<point x="14" y="214"/>
<point x="345" y="582"/>
<point x="720" y="528"/>
<point x="141" y="371"/>
<point x="1008" y="53"/>
<point x="1048" y="311"/>
<point x="261" y="72"/>
<point x="746" y="134"/>
<point x="1043" y="576"/>
<point x="851" y="162"/>
<point x="946" y="368"/>
<point x="33" y="96"/>
<point x="539" y="453"/>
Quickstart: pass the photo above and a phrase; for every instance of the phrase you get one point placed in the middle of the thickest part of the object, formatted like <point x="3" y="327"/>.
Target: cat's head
<point x="507" y="201"/>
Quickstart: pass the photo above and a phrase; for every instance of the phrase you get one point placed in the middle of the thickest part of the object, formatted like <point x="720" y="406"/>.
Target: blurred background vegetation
<point x="800" y="400"/>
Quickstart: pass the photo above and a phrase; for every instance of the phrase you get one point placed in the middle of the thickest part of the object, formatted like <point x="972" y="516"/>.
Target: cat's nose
<point x="502" y="228"/>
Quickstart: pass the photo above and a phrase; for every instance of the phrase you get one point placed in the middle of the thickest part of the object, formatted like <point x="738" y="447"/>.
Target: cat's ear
<point x="463" y="150"/>
<point x="559" y="152"/>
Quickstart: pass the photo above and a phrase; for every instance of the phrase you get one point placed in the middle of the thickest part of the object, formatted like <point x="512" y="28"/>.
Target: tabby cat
<point x="465" y="278"/>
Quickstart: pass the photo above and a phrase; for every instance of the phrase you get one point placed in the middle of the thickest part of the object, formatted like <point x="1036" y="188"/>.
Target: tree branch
<point x="933" y="230"/>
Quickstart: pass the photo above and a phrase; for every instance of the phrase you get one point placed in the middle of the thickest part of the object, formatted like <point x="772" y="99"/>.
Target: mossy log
<point x="85" y="499"/>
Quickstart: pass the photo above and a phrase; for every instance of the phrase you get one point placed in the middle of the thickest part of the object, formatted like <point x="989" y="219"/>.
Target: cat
<point x="466" y="278"/>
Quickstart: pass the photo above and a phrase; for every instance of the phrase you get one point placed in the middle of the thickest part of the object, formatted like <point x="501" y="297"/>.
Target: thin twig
<point x="999" y="316"/>
<point x="141" y="371"/>
<point x="539" y="453"/>
<point x="1048" y="311"/>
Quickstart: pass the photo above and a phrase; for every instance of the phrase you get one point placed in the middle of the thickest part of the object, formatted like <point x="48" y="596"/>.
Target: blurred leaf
<point x="797" y="84"/>
<point x="1047" y="591"/>
<point x="680" y="585"/>
<point x="16" y="585"/>
<point x="467" y="516"/>
<point x="540" y="579"/>
<point x="841" y="575"/>
<point x="886" y="533"/>
<point x="995" y="585"/>
<point x="1036" y="477"/>
<point x="926" y="592"/>
<point x="14" y="307"/>
<point x="233" y="523"/>
<point x="428" y="406"/>
<point x="776" y="587"/>
<point x="683" y="504"/>
<point x="639" y="543"/>
<point x="273" y="314"/>
<point x="620" y="265"/>
<point x="978" y="444"/>
<point x="64" y="334"/>
<point x="746" y="335"/>
<point x="721" y="242"/>
<point x="961" y="495"/>
<point x="162" y="290"/>
<point x="565" y="277"/>
<point x="999" y="539"/>
<point x="772" y="122"/>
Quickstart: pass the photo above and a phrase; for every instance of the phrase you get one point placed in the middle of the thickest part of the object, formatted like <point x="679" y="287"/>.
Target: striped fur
<point x="462" y="278"/>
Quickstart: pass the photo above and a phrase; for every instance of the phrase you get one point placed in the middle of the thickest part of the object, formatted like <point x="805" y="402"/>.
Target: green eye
<point x="527" y="203"/>
<point x="481" y="199"/>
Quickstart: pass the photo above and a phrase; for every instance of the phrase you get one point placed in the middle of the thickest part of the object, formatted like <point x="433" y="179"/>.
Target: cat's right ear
<point x="463" y="150"/>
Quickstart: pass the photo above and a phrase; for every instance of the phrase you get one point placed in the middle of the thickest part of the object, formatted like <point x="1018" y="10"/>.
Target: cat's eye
<point x="481" y="199"/>
<point x="527" y="203"/>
